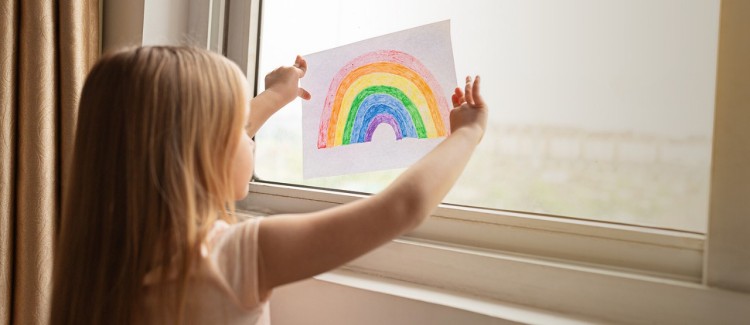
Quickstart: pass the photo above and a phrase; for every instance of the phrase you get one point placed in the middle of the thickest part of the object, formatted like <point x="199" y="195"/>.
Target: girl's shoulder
<point x="217" y="232"/>
<point x="221" y="231"/>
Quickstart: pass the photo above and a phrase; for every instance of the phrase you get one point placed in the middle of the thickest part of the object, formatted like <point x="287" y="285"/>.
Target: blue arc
<point x="377" y="104"/>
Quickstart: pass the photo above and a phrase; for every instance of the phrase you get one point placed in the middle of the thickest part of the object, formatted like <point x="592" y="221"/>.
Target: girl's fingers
<point x="304" y="94"/>
<point x="468" y="91"/>
<point x="477" y="97"/>
<point x="457" y="95"/>
<point x="300" y="64"/>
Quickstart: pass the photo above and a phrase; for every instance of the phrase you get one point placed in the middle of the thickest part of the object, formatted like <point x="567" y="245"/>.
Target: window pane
<point x="599" y="109"/>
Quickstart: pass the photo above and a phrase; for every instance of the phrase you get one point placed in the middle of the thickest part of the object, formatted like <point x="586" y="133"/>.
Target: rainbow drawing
<point x="385" y="86"/>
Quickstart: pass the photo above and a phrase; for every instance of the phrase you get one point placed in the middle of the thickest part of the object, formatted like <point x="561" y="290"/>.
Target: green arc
<point x="388" y="90"/>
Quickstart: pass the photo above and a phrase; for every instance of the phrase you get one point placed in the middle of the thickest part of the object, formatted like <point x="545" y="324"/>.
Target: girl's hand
<point x="469" y="110"/>
<point x="282" y="87"/>
<point x="284" y="82"/>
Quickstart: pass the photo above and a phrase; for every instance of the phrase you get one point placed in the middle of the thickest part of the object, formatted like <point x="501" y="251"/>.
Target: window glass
<point x="599" y="109"/>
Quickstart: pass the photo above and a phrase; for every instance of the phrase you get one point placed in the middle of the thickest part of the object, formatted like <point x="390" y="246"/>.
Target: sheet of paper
<point x="381" y="103"/>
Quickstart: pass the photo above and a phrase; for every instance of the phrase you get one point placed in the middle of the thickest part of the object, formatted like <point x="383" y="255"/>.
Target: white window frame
<point x="605" y="271"/>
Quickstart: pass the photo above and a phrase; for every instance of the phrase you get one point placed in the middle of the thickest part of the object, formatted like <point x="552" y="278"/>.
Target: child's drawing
<point x="382" y="104"/>
<point x="385" y="86"/>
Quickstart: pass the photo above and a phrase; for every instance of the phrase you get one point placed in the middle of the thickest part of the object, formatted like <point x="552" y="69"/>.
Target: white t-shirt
<point x="223" y="288"/>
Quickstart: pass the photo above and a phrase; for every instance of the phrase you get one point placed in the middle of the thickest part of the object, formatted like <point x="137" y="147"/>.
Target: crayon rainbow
<point x="387" y="86"/>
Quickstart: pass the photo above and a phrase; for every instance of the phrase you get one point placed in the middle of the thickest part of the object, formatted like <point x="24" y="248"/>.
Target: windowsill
<point x="647" y="251"/>
<point x="573" y="267"/>
<point x="450" y="299"/>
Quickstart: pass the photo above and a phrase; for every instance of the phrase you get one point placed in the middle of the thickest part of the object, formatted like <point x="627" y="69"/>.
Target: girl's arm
<point x="295" y="247"/>
<point x="281" y="88"/>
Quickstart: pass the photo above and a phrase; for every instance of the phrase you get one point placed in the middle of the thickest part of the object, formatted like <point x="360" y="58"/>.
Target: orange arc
<point x="388" y="67"/>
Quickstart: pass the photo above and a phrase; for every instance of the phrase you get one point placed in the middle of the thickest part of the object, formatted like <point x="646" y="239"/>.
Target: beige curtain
<point x="46" y="49"/>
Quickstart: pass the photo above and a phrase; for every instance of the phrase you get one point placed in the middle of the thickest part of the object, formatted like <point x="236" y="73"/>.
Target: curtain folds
<point x="46" y="49"/>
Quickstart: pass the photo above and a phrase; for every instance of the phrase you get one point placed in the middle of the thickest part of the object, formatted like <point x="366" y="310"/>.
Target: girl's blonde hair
<point x="156" y="137"/>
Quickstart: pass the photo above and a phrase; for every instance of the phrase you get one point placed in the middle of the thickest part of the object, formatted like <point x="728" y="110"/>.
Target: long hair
<point x="151" y="170"/>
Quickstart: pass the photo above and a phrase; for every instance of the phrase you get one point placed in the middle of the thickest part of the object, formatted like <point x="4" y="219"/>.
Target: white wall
<point x="165" y="22"/>
<point x="147" y="22"/>
<point x="122" y="23"/>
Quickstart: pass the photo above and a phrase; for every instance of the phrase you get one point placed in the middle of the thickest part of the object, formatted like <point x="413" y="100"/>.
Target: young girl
<point x="163" y="149"/>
